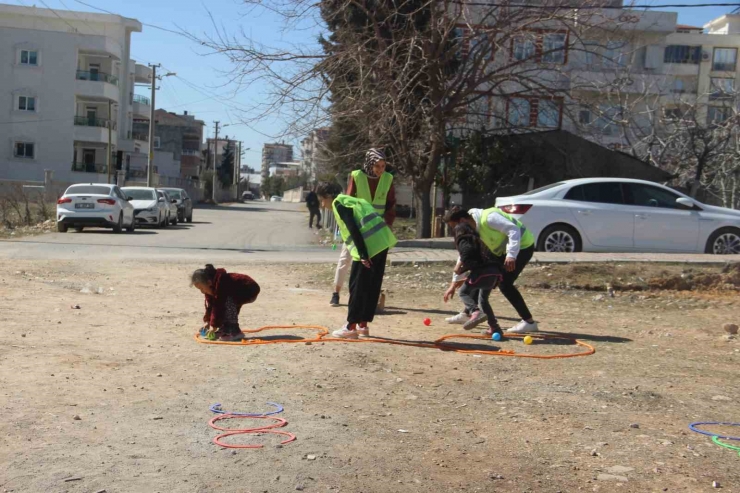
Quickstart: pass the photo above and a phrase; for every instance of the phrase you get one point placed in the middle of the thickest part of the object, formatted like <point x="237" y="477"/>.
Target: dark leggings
<point x="507" y="287"/>
<point x="314" y="212"/>
<point x="476" y="299"/>
<point x="364" y="289"/>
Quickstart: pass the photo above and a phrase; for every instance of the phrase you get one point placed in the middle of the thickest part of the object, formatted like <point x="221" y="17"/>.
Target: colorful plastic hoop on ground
<point x="216" y="408"/>
<point x="217" y="440"/>
<point x="279" y="422"/>
<point x="693" y="427"/>
<point x="725" y="445"/>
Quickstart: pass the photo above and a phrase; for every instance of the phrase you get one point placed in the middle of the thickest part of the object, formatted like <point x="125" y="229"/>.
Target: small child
<point x="485" y="275"/>
<point x="225" y="294"/>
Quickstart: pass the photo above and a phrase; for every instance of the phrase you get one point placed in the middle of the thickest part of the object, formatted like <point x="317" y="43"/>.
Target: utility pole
<point x="238" y="170"/>
<point x="110" y="132"/>
<point x="215" y="152"/>
<point x="150" y="160"/>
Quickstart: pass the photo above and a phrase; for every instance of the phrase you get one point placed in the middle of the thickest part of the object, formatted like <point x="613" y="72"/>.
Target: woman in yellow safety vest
<point x="375" y="185"/>
<point x="512" y="244"/>
<point x="368" y="239"/>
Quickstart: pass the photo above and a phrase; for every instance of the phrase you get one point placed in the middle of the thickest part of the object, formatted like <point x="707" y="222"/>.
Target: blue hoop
<point x="693" y="428"/>
<point x="216" y="408"/>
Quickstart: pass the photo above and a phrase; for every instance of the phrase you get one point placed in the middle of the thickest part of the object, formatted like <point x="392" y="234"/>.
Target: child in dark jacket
<point x="225" y="295"/>
<point x="485" y="275"/>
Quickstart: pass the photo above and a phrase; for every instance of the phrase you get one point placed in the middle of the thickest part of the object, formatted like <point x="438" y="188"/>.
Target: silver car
<point x="171" y="205"/>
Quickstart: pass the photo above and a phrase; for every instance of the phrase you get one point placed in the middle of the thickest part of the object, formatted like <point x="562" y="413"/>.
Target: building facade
<point x="67" y="92"/>
<point x="313" y="152"/>
<point x="275" y="153"/>
<point x="179" y="135"/>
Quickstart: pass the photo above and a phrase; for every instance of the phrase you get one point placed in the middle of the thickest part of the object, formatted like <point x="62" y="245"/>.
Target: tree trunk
<point x="423" y="209"/>
<point x="697" y="178"/>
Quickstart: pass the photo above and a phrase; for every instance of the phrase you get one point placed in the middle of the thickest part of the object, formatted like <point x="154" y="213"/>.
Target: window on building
<point x="585" y="117"/>
<point x="480" y="46"/>
<point x="524" y="48"/>
<point x="553" y="48"/>
<point x="614" y="55"/>
<point x="29" y="57"/>
<point x="519" y="112"/>
<point x="26" y="103"/>
<point x="156" y="142"/>
<point x="24" y="149"/>
<point x="678" y="86"/>
<point x="682" y="54"/>
<point x="672" y="114"/>
<point x="546" y="47"/>
<point x="535" y="112"/>
<point x="548" y="113"/>
<point x="608" y="121"/>
<point x="718" y="114"/>
<point x="724" y="60"/>
<point x="721" y="88"/>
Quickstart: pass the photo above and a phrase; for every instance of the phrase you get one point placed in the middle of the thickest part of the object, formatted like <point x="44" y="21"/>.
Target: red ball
<point x="427" y="321"/>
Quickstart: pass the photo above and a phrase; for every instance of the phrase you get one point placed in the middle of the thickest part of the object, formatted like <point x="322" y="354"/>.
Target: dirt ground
<point x="114" y="396"/>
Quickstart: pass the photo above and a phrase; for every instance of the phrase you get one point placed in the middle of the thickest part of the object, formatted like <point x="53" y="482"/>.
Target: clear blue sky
<point x="186" y="58"/>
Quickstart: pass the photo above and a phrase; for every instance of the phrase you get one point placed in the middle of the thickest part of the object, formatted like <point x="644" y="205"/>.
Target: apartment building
<point x="275" y="153"/>
<point x="67" y="92"/>
<point x="313" y="152"/>
<point x="178" y="135"/>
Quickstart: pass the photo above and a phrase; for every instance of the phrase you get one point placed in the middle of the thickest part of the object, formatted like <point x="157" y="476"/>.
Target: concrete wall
<point x="295" y="195"/>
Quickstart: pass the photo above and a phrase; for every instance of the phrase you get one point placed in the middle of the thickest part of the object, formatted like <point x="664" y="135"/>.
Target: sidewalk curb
<point x="433" y="244"/>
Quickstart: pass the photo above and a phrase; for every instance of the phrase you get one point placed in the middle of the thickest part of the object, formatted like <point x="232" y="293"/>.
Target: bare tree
<point x="403" y="75"/>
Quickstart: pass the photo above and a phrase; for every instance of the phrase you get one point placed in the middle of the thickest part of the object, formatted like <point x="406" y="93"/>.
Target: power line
<point x="142" y="23"/>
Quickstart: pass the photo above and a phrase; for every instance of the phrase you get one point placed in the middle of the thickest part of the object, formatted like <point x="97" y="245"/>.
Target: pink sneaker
<point x="476" y="318"/>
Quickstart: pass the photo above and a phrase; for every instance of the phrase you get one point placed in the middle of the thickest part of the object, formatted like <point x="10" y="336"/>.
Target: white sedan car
<point x="622" y="215"/>
<point x="148" y="209"/>
<point x="98" y="205"/>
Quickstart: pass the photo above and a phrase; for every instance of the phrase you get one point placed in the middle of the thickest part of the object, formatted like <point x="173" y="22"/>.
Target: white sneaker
<point x="458" y="319"/>
<point x="523" y="327"/>
<point x="345" y="333"/>
<point x="363" y="331"/>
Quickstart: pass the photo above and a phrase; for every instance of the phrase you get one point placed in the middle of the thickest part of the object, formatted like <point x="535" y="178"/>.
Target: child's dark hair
<point x="456" y="214"/>
<point x="203" y="276"/>
<point x="465" y="230"/>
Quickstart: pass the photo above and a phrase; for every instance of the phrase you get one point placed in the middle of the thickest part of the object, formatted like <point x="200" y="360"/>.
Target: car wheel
<point x="724" y="241"/>
<point x="132" y="227"/>
<point x="559" y="238"/>
<point x="79" y="229"/>
<point x="166" y="221"/>
<point x="118" y="227"/>
<point x="174" y="221"/>
<point x="61" y="227"/>
<point x="190" y="218"/>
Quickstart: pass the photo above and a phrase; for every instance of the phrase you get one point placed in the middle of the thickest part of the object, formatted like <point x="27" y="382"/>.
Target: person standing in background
<point x="375" y="185"/>
<point x="312" y="202"/>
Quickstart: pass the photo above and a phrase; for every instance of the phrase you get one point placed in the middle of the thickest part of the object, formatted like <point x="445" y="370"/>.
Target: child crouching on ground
<point x="485" y="275"/>
<point x="225" y="295"/>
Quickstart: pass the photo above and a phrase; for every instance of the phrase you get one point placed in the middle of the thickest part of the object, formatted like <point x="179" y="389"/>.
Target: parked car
<point x="147" y="209"/>
<point x="97" y="205"/>
<point x="623" y="215"/>
<point x="276" y="198"/>
<point x="247" y="196"/>
<point x="183" y="202"/>
<point x="171" y="206"/>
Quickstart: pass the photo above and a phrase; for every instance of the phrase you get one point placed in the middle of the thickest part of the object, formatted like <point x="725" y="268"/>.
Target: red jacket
<point x="242" y="289"/>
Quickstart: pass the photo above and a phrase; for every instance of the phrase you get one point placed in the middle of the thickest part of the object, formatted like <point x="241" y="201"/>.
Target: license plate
<point x="84" y="206"/>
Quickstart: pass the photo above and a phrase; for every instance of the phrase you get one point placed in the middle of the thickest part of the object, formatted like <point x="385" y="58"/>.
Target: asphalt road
<point x="255" y="231"/>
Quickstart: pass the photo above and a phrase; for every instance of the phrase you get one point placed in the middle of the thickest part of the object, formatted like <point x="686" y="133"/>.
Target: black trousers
<point x="364" y="289"/>
<point x="314" y="211"/>
<point x="507" y="287"/>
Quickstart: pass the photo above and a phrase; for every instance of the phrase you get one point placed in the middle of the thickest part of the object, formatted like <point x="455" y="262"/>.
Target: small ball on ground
<point x="427" y="322"/>
<point x="528" y="340"/>
<point x="496" y="336"/>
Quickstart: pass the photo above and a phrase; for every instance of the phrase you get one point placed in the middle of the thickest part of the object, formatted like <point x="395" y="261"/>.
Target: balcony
<point x="94" y="130"/>
<point x="142" y="74"/>
<point x="90" y="167"/>
<point x="140" y="136"/>
<point x="97" y="85"/>
<point x="142" y="107"/>
<point x="190" y="152"/>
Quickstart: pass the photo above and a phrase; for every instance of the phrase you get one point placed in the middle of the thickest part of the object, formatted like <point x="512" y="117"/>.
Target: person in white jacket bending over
<point x="513" y="245"/>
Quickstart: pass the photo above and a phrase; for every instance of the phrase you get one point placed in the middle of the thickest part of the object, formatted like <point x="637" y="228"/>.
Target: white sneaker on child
<point x="458" y="319"/>
<point x="523" y="327"/>
<point x="345" y="333"/>
<point x="363" y="331"/>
